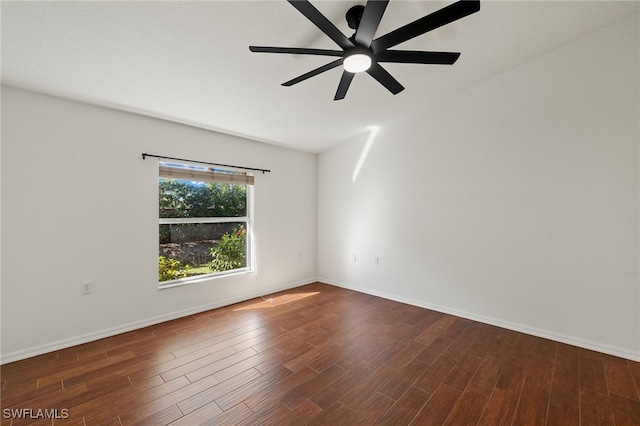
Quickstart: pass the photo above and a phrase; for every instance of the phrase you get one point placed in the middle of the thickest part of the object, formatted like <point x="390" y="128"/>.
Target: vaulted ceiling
<point x="189" y="62"/>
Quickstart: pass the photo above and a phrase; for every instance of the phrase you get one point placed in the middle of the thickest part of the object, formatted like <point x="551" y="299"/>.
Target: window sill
<point x="201" y="278"/>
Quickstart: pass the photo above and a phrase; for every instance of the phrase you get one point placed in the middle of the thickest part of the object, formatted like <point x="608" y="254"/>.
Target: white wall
<point x="517" y="203"/>
<point x="79" y="203"/>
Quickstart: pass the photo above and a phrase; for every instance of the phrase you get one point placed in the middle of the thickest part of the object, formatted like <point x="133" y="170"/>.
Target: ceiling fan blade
<point x="418" y="57"/>
<point x="444" y="16"/>
<point x="345" y="82"/>
<point x="296" y="50"/>
<point x="314" y="72"/>
<point x="384" y="78"/>
<point x="320" y="21"/>
<point x="370" y="20"/>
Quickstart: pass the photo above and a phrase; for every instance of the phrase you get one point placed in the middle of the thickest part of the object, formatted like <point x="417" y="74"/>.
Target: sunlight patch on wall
<point x="365" y="151"/>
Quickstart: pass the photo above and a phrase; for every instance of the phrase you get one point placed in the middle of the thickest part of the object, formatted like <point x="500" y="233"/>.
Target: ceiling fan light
<point x="358" y="62"/>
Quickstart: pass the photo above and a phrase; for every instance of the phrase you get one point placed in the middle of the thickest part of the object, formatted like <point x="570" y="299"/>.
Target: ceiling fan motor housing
<point x="359" y="50"/>
<point x="354" y="15"/>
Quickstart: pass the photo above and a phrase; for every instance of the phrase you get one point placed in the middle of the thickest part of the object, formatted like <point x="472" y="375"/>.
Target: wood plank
<point x="564" y="408"/>
<point x="372" y="409"/>
<point x="433" y="350"/>
<point x="625" y="411"/>
<point x="620" y="379"/>
<point x="217" y="391"/>
<point x="141" y="412"/>
<point x="404" y="379"/>
<point x="269" y="415"/>
<point x="307" y="390"/>
<point x="406" y="408"/>
<point x="301" y="415"/>
<point x="595" y="408"/>
<point x="405" y="355"/>
<point x="385" y="353"/>
<point x="500" y="409"/>
<point x="438" y="407"/>
<point x="265" y="394"/>
<point x="197" y="417"/>
<point x="230" y="417"/>
<point x="546" y="347"/>
<point x="223" y="361"/>
<point x="523" y="345"/>
<point x="486" y="376"/>
<point x="566" y="376"/>
<point x="592" y="374"/>
<point x="461" y="374"/>
<point x="336" y="414"/>
<point x="366" y="388"/>
<point x="84" y="368"/>
<point x="459" y="347"/>
<point x="533" y="406"/>
<point x="102" y="408"/>
<point x="320" y="354"/>
<point x="514" y="373"/>
<point x="435" y="374"/>
<point x="503" y="347"/>
<point x="308" y="357"/>
<point x="483" y="345"/>
<point x="468" y="409"/>
<point x="163" y="417"/>
<point x="335" y="390"/>
<point x="254" y="389"/>
<point x="541" y="372"/>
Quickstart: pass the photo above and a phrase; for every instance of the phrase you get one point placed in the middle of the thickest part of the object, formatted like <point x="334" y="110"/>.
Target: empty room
<point x="320" y="212"/>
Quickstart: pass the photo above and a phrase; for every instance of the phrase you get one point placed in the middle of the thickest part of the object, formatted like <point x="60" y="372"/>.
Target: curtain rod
<point x="145" y="155"/>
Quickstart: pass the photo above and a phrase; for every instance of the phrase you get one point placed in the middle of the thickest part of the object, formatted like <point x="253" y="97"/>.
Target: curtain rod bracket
<point x="145" y="155"/>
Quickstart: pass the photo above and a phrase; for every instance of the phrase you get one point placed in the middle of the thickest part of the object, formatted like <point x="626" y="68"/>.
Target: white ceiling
<point x="189" y="61"/>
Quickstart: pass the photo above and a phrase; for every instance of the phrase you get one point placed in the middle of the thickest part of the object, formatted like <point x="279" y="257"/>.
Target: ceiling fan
<point x="361" y="52"/>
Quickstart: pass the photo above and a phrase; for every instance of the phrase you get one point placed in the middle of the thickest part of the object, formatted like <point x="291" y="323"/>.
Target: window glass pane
<point x="192" y="249"/>
<point x="183" y="198"/>
<point x="203" y="224"/>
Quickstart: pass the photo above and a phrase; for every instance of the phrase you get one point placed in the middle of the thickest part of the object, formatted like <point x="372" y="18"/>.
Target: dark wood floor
<point x="321" y="355"/>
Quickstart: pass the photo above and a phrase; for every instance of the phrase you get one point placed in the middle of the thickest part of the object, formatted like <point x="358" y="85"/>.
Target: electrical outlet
<point x="87" y="287"/>
<point x="353" y="257"/>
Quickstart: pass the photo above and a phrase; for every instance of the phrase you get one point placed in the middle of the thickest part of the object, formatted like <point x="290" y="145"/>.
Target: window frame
<point x="247" y="220"/>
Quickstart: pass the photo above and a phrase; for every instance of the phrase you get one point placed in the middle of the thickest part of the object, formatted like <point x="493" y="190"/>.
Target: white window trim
<point x="179" y="220"/>
<point x="204" y="277"/>
<point x="250" y="268"/>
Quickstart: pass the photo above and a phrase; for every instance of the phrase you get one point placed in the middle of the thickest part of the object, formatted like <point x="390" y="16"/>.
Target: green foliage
<point x="190" y="241"/>
<point x="183" y="198"/>
<point x="169" y="269"/>
<point x="231" y="252"/>
<point x="186" y="199"/>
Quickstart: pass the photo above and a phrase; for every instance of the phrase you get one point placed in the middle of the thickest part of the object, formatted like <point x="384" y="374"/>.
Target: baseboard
<point x="558" y="337"/>
<point x="112" y="331"/>
<point x="136" y="325"/>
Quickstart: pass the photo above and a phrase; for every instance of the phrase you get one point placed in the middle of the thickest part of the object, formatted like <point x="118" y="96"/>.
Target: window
<point x="204" y="223"/>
